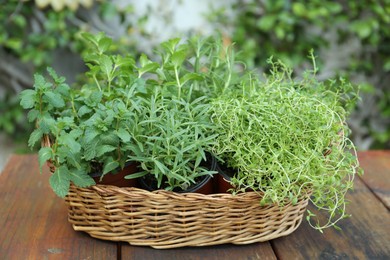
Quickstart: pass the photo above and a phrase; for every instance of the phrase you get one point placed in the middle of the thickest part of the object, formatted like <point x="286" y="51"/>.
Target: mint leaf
<point x="54" y="99"/>
<point x="40" y="82"/>
<point x="54" y="75"/>
<point x="83" y="110"/>
<point x="35" y="136"/>
<point x="104" y="44"/>
<point x="178" y="58"/>
<point x="101" y="150"/>
<point x="106" y="66"/>
<point x="60" y="181"/>
<point x="70" y="142"/>
<point x="123" y="135"/>
<point x="90" y="150"/>
<point x="44" y="154"/>
<point x="32" y="115"/>
<point x="27" y="98"/>
<point x="81" y="179"/>
<point x="109" y="166"/>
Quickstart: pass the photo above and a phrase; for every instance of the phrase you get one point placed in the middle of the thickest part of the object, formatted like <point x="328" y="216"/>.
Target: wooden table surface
<point x="34" y="224"/>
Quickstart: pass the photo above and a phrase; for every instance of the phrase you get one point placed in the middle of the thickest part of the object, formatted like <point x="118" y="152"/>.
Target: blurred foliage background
<point x="350" y="39"/>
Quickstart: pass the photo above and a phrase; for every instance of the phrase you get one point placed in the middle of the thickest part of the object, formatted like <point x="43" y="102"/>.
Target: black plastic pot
<point x="203" y="186"/>
<point x="222" y="180"/>
<point x="117" y="178"/>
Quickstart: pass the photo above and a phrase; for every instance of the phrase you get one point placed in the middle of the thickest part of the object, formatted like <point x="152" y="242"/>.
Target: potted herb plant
<point x="155" y="114"/>
<point x="284" y="138"/>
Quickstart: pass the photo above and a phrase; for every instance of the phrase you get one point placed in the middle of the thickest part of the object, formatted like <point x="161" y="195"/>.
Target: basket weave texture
<point x="164" y="219"/>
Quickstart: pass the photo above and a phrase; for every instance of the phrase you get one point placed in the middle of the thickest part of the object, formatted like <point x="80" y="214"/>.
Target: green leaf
<point x="299" y="9"/>
<point x="40" y="82"/>
<point x="106" y="66"/>
<point x="81" y="179"/>
<point x="190" y="76"/>
<point x="109" y="166"/>
<point x="178" y="58"/>
<point x="44" y="154"/>
<point x="170" y="45"/>
<point x="60" y="181"/>
<point x="35" y="136"/>
<point x="139" y="85"/>
<point x="150" y="67"/>
<point x="32" y="115"/>
<point x="69" y="141"/>
<point x="54" y="75"/>
<point x="54" y="99"/>
<point x="104" y="44"/>
<point x="267" y="22"/>
<point x="123" y="135"/>
<point x="136" y="175"/>
<point x="90" y="150"/>
<point x="63" y="89"/>
<point x="83" y="110"/>
<point x="27" y="98"/>
<point x="96" y="97"/>
<point x="46" y="124"/>
<point x="101" y="150"/>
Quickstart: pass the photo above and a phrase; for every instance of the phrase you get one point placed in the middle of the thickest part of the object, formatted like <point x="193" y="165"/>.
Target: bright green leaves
<point x="146" y="65"/>
<point x="98" y="43"/>
<point x="178" y="58"/>
<point x="106" y="67"/>
<point x="54" y="99"/>
<point x="27" y="98"/>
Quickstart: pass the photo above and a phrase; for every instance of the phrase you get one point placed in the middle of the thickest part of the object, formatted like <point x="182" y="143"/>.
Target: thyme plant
<point x="287" y="138"/>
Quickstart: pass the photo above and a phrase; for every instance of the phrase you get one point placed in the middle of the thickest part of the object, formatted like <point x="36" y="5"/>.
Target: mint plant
<point x="288" y="137"/>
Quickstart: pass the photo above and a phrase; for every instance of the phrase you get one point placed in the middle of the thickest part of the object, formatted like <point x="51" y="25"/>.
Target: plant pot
<point x="203" y="186"/>
<point x="118" y="178"/>
<point x="222" y="180"/>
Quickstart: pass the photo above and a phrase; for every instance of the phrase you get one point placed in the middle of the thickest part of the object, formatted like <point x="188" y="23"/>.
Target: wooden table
<point x="34" y="225"/>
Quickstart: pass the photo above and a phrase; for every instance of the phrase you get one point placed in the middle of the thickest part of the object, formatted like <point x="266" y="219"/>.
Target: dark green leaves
<point x="54" y="99"/>
<point x="45" y="154"/>
<point x="35" y="137"/>
<point x="110" y="165"/>
<point x="81" y="179"/>
<point x="60" y="181"/>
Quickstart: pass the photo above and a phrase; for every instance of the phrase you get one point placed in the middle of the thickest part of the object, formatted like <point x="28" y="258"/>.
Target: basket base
<point x="163" y="219"/>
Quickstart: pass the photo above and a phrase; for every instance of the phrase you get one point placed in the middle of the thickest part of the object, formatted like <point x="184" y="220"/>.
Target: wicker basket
<point x="164" y="219"/>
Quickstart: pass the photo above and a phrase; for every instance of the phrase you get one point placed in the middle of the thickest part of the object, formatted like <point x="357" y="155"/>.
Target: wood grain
<point x="34" y="224"/>
<point x="228" y="251"/>
<point x="34" y="221"/>
<point x="365" y="235"/>
<point x="377" y="173"/>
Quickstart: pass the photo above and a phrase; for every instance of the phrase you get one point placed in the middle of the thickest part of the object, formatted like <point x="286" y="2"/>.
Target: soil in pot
<point x="118" y="178"/>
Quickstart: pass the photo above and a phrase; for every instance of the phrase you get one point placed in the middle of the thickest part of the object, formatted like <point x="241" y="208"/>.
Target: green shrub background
<point x="350" y="39"/>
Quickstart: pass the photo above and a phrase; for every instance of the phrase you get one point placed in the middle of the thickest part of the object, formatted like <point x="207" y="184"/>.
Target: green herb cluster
<point x="288" y="137"/>
<point x="358" y="30"/>
<point x="285" y="137"/>
<point x="155" y="113"/>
